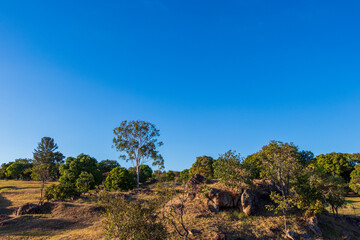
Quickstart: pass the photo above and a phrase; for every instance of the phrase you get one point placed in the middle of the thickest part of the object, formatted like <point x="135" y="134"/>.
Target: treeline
<point x="77" y="175"/>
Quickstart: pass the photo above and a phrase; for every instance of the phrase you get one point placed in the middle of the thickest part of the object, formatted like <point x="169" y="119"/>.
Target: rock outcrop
<point x="219" y="197"/>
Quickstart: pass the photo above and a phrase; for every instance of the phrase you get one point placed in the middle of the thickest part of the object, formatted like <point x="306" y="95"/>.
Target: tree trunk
<point x="137" y="175"/>
<point x="41" y="190"/>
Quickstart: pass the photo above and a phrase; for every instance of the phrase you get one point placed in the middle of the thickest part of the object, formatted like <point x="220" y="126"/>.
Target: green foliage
<point x="144" y="174"/>
<point x="337" y="164"/>
<point x="308" y="197"/>
<point x="46" y="160"/>
<point x="62" y="191"/>
<point x="204" y="166"/>
<point x="305" y="157"/>
<point x="120" y="179"/>
<point x="73" y="167"/>
<point x="138" y="140"/>
<point x="280" y="163"/>
<point x="253" y="164"/>
<point x="159" y="175"/>
<point x="78" y="175"/>
<point x="330" y="190"/>
<point x="131" y="220"/>
<point x="170" y="176"/>
<point x="184" y="175"/>
<point x="20" y="169"/>
<point x="355" y="179"/>
<point x="228" y="169"/>
<point x="106" y="166"/>
<point x="3" y="168"/>
<point x="84" y="182"/>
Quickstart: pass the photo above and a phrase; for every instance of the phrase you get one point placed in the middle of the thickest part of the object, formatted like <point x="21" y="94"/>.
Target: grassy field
<point x="74" y="220"/>
<point x="64" y="223"/>
<point x="14" y="193"/>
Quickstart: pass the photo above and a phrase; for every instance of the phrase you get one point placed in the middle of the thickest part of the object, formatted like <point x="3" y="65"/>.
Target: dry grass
<point x="14" y="194"/>
<point x="73" y="220"/>
<point x="68" y="221"/>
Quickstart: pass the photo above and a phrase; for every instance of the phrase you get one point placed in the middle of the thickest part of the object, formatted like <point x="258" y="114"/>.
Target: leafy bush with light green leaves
<point x="120" y="179"/>
<point x="84" y="182"/>
<point x="204" y="166"/>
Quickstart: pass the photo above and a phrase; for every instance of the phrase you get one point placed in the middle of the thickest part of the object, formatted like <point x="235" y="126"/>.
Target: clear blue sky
<point x="211" y="75"/>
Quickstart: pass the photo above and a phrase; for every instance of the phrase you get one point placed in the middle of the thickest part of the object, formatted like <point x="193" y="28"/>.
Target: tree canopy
<point x="337" y="164"/>
<point x="46" y="159"/>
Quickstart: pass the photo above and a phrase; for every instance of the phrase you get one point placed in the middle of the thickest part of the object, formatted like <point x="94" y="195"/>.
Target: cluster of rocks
<point x="249" y="200"/>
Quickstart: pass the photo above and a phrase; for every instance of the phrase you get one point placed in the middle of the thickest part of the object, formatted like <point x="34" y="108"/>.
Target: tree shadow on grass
<point x="4" y="204"/>
<point x="33" y="225"/>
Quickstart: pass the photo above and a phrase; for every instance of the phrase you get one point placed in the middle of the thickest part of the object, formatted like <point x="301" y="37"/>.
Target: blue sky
<point x="211" y="75"/>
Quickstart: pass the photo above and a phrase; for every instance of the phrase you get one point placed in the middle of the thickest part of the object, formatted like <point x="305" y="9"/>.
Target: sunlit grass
<point x="352" y="207"/>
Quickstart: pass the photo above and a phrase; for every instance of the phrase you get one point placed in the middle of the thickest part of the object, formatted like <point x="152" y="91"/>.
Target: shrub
<point x="62" y="191"/>
<point x="131" y="219"/>
<point x="229" y="171"/>
<point x="204" y="166"/>
<point x="184" y="175"/>
<point x="84" y="182"/>
<point x="120" y="179"/>
<point x="170" y="176"/>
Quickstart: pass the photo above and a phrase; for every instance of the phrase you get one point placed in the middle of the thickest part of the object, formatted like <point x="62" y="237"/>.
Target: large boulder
<point x="217" y="199"/>
<point x="248" y="202"/>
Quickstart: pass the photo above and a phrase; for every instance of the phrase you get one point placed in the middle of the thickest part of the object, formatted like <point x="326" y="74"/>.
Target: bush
<point x="184" y="175"/>
<point x="120" y="179"/>
<point x="84" y="182"/>
<point x="229" y="171"/>
<point x="170" y="176"/>
<point x="51" y="192"/>
<point x="131" y="219"/>
<point x="62" y="191"/>
<point x="204" y="166"/>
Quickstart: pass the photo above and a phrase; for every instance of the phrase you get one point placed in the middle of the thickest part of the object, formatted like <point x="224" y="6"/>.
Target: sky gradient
<point x="211" y="75"/>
